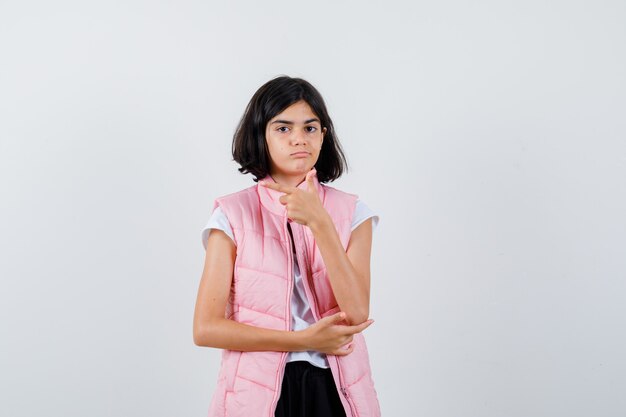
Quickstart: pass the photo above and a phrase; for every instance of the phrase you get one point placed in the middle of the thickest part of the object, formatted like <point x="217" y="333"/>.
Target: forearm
<point x="228" y="334"/>
<point x="349" y="288"/>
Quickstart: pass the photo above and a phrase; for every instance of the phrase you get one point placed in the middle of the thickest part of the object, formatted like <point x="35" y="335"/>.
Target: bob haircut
<point x="250" y="146"/>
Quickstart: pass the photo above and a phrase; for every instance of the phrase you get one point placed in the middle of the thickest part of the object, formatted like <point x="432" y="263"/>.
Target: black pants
<point x="308" y="391"/>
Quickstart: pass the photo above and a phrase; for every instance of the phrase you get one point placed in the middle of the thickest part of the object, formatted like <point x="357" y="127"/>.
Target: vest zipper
<point x="344" y="390"/>
<point x="283" y="357"/>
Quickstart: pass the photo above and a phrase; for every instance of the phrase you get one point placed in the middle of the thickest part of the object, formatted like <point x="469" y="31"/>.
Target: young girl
<point x="286" y="283"/>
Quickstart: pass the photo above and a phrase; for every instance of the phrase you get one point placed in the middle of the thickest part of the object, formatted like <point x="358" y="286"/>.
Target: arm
<point x="348" y="270"/>
<point x="212" y="329"/>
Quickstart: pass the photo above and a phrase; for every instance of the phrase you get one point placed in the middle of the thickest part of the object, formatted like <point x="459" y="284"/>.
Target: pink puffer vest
<point x="249" y="383"/>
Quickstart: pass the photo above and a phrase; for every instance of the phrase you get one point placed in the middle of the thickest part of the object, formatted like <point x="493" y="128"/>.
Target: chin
<point x="300" y="169"/>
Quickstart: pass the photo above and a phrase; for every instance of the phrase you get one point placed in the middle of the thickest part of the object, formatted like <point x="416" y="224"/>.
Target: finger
<point x="360" y="327"/>
<point x="337" y="317"/>
<point x="343" y="352"/>
<point x="278" y="187"/>
<point x="309" y="179"/>
<point x="283" y="199"/>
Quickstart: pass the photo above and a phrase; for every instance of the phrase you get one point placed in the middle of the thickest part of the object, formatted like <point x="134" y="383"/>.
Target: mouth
<point x="301" y="154"/>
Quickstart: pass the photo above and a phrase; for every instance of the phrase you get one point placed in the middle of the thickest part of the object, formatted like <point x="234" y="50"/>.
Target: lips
<point x="300" y="154"/>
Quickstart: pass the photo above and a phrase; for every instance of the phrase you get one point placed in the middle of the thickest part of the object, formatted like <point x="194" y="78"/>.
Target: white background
<point x="490" y="137"/>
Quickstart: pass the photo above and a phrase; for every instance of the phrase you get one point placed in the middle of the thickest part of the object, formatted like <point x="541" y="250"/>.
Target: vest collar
<point x="270" y="198"/>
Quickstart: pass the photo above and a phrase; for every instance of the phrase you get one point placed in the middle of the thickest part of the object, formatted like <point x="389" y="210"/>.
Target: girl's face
<point x="294" y="139"/>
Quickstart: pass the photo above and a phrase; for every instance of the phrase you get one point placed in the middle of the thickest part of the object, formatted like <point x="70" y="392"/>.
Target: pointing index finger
<point x="278" y="187"/>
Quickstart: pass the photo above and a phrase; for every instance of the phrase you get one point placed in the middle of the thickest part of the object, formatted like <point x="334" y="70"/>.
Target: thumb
<point x="309" y="178"/>
<point x="337" y="317"/>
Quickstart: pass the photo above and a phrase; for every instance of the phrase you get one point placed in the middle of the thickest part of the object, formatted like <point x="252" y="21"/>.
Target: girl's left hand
<point x="303" y="206"/>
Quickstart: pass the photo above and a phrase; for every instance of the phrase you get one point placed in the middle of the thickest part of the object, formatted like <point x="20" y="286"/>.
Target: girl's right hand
<point x="328" y="336"/>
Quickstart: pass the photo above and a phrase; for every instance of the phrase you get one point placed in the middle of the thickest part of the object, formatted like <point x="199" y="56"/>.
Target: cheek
<point x="275" y="149"/>
<point x="318" y="150"/>
<point x="278" y="151"/>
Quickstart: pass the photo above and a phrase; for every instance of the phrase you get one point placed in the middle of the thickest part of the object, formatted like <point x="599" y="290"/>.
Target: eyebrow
<point x="287" y="122"/>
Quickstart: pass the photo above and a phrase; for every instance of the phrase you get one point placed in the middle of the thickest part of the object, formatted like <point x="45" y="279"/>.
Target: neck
<point x="289" y="180"/>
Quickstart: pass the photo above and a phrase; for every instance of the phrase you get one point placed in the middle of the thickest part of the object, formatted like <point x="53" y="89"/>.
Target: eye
<point x="282" y="127"/>
<point x="311" y="129"/>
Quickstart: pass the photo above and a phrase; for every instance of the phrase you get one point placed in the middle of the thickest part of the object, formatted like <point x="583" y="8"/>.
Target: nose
<point x="298" y="137"/>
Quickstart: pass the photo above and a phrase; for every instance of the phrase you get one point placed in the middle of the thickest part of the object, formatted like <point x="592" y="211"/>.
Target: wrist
<point x="300" y="340"/>
<point x="321" y="222"/>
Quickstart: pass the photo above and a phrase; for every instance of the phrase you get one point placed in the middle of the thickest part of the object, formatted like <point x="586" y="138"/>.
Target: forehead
<point x="299" y="111"/>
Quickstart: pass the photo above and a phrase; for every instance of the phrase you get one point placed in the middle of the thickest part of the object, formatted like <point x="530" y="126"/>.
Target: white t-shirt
<point x="301" y="315"/>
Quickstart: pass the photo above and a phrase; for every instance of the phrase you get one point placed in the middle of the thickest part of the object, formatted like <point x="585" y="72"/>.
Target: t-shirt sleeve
<point x="218" y="220"/>
<point x="361" y="213"/>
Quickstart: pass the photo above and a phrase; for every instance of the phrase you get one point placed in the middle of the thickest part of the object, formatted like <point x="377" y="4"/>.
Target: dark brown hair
<point x="249" y="143"/>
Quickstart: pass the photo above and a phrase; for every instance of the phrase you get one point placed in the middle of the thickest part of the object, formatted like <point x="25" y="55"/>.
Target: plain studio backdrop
<point x="489" y="136"/>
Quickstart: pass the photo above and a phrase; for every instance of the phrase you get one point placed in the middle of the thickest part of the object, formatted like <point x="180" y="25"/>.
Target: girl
<point x="286" y="283"/>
